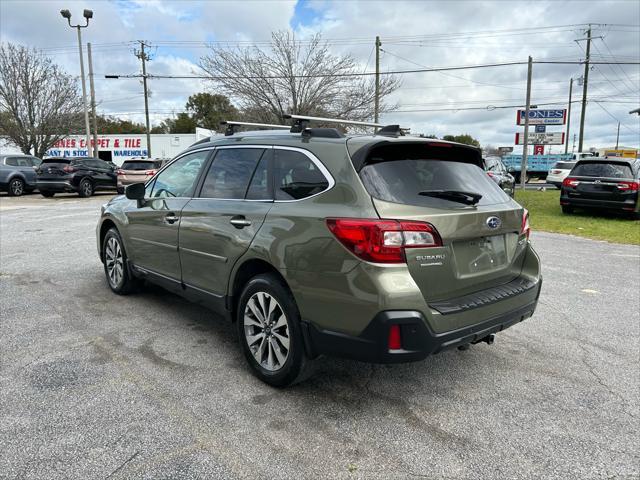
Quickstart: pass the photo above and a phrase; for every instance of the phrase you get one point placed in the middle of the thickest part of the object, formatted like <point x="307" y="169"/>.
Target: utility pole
<point x="584" y="89"/>
<point x="618" y="136"/>
<point x="144" y="58"/>
<point x="566" y="143"/>
<point x="377" y="99"/>
<point x="525" y="148"/>
<point x="93" y="103"/>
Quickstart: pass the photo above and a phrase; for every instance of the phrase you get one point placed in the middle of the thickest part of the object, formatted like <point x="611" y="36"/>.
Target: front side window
<point x="296" y="176"/>
<point x="179" y="179"/>
<point x="231" y="172"/>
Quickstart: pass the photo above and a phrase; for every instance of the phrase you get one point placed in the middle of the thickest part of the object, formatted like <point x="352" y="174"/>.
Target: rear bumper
<point x="418" y="340"/>
<point x="55" y="186"/>
<point x="627" y="205"/>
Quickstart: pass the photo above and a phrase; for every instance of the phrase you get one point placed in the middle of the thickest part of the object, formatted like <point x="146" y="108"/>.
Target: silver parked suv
<point x="17" y="173"/>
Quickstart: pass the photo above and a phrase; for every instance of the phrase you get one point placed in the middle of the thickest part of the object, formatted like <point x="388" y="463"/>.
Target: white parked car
<point x="559" y="172"/>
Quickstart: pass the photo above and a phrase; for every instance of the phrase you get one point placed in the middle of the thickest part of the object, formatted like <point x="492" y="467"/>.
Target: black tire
<point x="47" y="194"/>
<point x="15" y="187"/>
<point x="124" y="283"/>
<point x="295" y="367"/>
<point x="567" y="209"/>
<point x="85" y="188"/>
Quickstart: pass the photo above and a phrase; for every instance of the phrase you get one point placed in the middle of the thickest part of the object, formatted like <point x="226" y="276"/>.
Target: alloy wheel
<point x="87" y="189"/>
<point x="266" y="331"/>
<point x="17" y="187"/>
<point x="114" y="262"/>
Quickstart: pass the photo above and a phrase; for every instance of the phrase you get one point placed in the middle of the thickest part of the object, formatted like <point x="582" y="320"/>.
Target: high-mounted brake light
<point x="525" y="229"/>
<point x="570" y="182"/>
<point x="383" y="241"/>
<point x="630" y="186"/>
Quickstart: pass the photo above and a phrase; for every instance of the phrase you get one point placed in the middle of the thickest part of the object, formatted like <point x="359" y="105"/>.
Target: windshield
<point x="602" y="169"/>
<point x="138" y="165"/>
<point x="564" y="165"/>
<point x="405" y="181"/>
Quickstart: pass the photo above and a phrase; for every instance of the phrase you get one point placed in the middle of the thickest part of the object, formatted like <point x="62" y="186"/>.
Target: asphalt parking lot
<point x="149" y="386"/>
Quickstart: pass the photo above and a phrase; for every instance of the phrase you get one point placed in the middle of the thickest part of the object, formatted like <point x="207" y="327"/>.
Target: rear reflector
<point x="395" y="341"/>
<point x="383" y="241"/>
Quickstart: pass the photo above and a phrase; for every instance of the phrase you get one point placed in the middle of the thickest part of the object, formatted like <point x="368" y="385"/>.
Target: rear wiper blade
<point x="468" y="198"/>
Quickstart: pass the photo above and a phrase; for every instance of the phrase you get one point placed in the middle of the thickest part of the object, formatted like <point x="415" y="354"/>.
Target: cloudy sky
<point x="414" y="34"/>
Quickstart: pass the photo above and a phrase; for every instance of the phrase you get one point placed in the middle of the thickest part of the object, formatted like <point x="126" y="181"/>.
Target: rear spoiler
<point x="436" y="150"/>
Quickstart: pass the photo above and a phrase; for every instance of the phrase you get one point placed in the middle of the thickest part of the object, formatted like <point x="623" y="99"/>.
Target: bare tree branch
<point x="297" y="89"/>
<point x="39" y="103"/>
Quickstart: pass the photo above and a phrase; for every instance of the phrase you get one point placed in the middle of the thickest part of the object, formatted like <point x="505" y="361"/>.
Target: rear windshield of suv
<point x="564" y="165"/>
<point x="56" y="160"/>
<point x="401" y="181"/>
<point x="602" y="169"/>
<point x="138" y="165"/>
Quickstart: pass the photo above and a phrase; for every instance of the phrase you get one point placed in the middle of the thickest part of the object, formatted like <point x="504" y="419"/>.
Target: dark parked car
<point x="610" y="184"/>
<point x="499" y="174"/>
<point x="75" y="174"/>
<point x="17" y="173"/>
<point x="381" y="248"/>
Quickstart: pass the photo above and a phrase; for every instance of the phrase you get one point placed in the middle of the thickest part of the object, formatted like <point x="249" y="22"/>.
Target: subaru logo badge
<point x="493" y="222"/>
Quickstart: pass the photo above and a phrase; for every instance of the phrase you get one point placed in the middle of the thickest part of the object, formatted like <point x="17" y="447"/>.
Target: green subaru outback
<point x="382" y="248"/>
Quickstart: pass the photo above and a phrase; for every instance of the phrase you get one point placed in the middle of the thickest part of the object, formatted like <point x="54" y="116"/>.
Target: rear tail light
<point x="395" y="340"/>
<point x="525" y="229"/>
<point x="628" y="186"/>
<point x="570" y="182"/>
<point x="69" y="169"/>
<point x="383" y="241"/>
<point x="491" y="174"/>
<point x="150" y="172"/>
<point x="119" y="172"/>
<point x="556" y="172"/>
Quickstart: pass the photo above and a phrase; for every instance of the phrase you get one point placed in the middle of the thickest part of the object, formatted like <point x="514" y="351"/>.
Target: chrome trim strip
<point x="204" y="254"/>
<point x="188" y="285"/>
<point x="152" y="272"/>
<point x="157" y="244"/>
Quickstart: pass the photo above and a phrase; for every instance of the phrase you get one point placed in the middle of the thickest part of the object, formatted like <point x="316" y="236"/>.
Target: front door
<point x="153" y="228"/>
<point x="217" y="226"/>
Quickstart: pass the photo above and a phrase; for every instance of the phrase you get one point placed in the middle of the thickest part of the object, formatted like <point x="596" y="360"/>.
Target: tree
<point x="182" y="123"/>
<point x="465" y="138"/>
<point x="111" y="125"/>
<point x="39" y="102"/>
<point x="298" y="77"/>
<point x="208" y="110"/>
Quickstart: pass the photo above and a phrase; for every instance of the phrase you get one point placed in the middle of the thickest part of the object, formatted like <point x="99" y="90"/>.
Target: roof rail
<point x="300" y="122"/>
<point x="233" y="126"/>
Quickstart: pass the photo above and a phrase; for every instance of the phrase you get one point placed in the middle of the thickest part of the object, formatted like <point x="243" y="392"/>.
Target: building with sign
<point x="117" y="148"/>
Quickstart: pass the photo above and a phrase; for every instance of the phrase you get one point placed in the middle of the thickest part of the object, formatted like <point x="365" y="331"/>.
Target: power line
<point x="614" y="117"/>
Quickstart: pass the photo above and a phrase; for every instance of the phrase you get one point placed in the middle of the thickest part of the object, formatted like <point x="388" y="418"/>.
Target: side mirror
<point x="135" y="191"/>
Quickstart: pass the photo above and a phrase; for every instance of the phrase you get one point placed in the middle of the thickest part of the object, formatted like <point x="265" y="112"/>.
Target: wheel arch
<point x="242" y="274"/>
<point x="106" y="225"/>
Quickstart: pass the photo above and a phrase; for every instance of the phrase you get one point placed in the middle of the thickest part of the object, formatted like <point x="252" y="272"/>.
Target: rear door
<point x="217" y="226"/>
<point x="482" y="242"/>
<point x="25" y="166"/>
<point x="153" y="227"/>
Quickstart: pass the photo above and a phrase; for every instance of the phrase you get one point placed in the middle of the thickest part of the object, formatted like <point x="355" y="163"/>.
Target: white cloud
<point x="38" y="23"/>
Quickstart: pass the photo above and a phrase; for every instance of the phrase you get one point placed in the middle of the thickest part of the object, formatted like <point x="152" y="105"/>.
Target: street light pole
<point x="87" y="15"/>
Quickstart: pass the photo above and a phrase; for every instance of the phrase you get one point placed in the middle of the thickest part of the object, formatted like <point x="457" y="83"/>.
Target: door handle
<point x="171" y="218"/>
<point x="239" y="221"/>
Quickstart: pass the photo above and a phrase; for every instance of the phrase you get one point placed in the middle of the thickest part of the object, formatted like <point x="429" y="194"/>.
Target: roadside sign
<point x="555" y="138"/>
<point x="505" y="149"/>
<point x="541" y="128"/>
<point x="543" y="117"/>
<point x="538" y="149"/>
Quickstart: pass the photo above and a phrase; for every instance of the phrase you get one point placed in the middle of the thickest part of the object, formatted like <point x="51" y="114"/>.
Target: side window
<point x="13" y="162"/>
<point x="296" y="176"/>
<point x="259" y="188"/>
<point x="230" y="173"/>
<point x="179" y="179"/>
